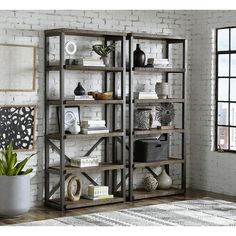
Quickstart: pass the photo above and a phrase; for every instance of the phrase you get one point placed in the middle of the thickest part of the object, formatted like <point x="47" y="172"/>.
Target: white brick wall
<point x="26" y="27"/>
<point x="209" y="170"/>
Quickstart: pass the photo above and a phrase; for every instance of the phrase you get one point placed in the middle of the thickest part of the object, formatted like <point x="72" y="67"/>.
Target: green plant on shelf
<point x="103" y="50"/>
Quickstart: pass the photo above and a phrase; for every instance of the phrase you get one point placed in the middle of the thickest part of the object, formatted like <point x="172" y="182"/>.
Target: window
<point x="226" y="89"/>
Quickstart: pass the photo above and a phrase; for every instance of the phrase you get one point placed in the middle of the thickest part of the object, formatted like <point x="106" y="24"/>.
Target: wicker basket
<point x="102" y="96"/>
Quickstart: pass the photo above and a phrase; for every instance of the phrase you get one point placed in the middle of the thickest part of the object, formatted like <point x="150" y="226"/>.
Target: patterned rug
<point x="200" y="212"/>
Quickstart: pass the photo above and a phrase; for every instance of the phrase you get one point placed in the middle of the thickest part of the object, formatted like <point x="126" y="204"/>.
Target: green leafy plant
<point x="103" y="50"/>
<point x="9" y="165"/>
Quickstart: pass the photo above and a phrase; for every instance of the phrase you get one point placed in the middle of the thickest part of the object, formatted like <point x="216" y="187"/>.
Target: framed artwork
<point x="17" y="67"/>
<point x="72" y="115"/>
<point x="17" y="125"/>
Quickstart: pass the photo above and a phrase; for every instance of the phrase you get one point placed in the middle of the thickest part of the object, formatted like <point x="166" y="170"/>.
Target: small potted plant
<point x="103" y="51"/>
<point x="14" y="184"/>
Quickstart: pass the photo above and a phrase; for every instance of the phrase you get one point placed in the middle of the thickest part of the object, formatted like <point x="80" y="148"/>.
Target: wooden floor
<point x="42" y="213"/>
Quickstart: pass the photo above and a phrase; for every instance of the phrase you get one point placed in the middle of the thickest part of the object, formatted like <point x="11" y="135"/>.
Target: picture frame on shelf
<point x="72" y="115"/>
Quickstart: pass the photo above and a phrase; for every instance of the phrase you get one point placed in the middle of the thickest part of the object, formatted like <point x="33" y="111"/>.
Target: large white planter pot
<point x="14" y="195"/>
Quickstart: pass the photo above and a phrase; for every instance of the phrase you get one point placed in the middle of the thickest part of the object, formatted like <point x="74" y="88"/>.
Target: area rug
<point x="200" y="212"/>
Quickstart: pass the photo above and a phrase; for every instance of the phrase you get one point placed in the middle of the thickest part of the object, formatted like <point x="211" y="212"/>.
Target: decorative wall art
<point x="17" y="67"/>
<point x="71" y="118"/>
<point x="17" y="123"/>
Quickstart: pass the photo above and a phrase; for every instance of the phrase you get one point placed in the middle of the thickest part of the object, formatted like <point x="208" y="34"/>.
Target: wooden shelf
<point x="156" y="101"/>
<point x="85" y="68"/>
<point x="158" y="131"/>
<point x="168" y="38"/>
<point x="84" y="102"/>
<point x="87" y="203"/>
<point x="101" y="167"/>
<point x="142" y="193"/>
<point x="82" y="32"/>
<point x="158" y="163"/>
<point x="158" y="70"/>
<point x="85" y="136"/>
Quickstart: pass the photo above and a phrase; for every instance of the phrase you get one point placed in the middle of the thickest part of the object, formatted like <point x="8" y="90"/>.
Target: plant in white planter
<point x="14" y="184"/>
<point x="103" y="51"/>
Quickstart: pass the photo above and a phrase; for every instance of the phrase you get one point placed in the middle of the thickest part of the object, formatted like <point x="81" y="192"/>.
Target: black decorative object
<point x="139" y="57"/>
<point x="17" y="123"/>
<point x="165" y="113"/>
<point x="151" y="149"/>
<point x="79" y="90"/>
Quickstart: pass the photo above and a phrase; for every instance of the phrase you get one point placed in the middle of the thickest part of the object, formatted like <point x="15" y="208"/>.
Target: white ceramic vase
<point x="75" y="128"/>
<point x="164" y="180"/>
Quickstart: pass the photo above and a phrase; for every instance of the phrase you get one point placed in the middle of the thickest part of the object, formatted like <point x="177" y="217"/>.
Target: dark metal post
<point x="62" y="131"/>
<point x="46" y="109"/>
<point x="123" y="116"/>
<point x="131" y="118"/>
<point x="184" y="108"/>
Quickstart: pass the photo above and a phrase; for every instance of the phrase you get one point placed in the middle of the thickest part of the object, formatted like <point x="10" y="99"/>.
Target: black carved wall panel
<point x="17" y="124"/>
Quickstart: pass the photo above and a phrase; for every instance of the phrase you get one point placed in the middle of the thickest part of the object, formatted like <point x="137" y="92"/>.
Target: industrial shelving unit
<point x="114" y="161"/>
<point x="135" y="194"/>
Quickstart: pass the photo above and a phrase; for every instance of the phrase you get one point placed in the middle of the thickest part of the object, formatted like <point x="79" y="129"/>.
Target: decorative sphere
<point x="150" y="183"/>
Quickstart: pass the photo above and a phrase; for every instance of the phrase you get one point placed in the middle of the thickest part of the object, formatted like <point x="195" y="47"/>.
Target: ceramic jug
<point x="164" y="180"/>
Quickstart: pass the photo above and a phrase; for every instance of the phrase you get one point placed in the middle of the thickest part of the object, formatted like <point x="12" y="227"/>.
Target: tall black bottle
<point x="139" y="57"/>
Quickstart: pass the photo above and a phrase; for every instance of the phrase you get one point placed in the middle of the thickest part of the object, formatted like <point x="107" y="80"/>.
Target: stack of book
<point x="158" y="62"/>
<point x="145" y="95"/>
<point x="86" y="161"/>
<point x="98" y="193"/>
<point x="94" y="127"/>
<point x="90" y="62"/>
<point x="84" y="97"/>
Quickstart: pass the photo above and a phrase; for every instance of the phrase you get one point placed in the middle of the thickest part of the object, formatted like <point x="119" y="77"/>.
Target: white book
<point x="84" y="97"/>
<point x="93" y="122"/>
<point x="91" y="64"/>
<point x="99" y="197"/>
<point x="93" y="126"/>
<point x="95" y="131"/>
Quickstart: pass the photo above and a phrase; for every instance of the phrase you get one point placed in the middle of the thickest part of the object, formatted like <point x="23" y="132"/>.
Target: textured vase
<point x="164" y="180"/>
<point x="79" y="90"/>
<point x="143" y="119"/>
<point x="14" y="195"/>
<point x="139" y="57"/>
<point x="150" y="183"/>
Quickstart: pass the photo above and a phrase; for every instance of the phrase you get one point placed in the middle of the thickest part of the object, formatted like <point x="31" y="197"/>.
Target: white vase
<point x="164" y="180"/>
<point x="75" y="128"/>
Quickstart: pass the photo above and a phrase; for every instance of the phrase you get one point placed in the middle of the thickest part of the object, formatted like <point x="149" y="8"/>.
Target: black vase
<point x="139" y="57"/>
<point x="79" y="90"/>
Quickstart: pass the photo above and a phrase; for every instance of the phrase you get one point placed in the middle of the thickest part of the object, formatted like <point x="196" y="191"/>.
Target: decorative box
<point x="84" y="161"/>
<point x="151" y="150"/>
<point x="97" y="190"/>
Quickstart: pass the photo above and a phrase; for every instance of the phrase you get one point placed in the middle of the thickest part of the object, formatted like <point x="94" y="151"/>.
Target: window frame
<point x="217" y="53"/>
